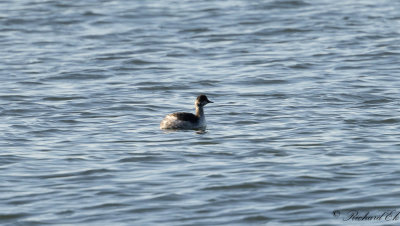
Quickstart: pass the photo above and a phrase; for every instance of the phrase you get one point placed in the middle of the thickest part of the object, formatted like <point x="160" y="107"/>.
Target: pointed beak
<point x="209" y="101"/>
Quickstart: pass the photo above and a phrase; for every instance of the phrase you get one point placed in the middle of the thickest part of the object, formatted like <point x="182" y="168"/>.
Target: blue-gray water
<point x="305" y="119"/>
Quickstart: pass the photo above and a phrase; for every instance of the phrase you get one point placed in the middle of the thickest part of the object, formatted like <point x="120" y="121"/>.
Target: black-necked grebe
<point x="183" y="120"/>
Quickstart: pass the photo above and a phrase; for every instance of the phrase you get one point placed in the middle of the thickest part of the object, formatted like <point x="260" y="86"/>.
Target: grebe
<point x="183" y="120"/>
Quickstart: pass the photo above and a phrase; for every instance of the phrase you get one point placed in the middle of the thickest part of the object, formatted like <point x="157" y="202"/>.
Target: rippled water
<point x="305" y="119"/>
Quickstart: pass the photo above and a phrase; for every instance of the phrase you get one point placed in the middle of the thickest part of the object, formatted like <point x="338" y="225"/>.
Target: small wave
<point x="12" y="97"/>
<point x="109" y="205"/>
<point x="141" y="159"/>
<point x="292" y="207"/>
<point x="10" y="159"/>
<point x="12" y="216"/>
<point x="63" y="98"/>
<point x="262" y="81"/>
<point x="164" y="88"/>
<point x="257" y="218"/>
<point x="280" y="31"/>
<point x="195" y="30"/>
<point x="367" y="122"/>
<point x="139" y="62"/>
<point x="95" y="75"/>
<point x="248" y="185"/>
<point x="74" y="174"/>
<point x="282" y="4"/>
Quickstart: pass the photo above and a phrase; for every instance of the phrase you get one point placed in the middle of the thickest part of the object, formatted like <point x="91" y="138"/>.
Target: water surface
<point x="305" y="118"/>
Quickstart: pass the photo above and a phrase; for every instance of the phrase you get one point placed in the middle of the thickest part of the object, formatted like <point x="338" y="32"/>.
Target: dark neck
<point x="199" y="111"/>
